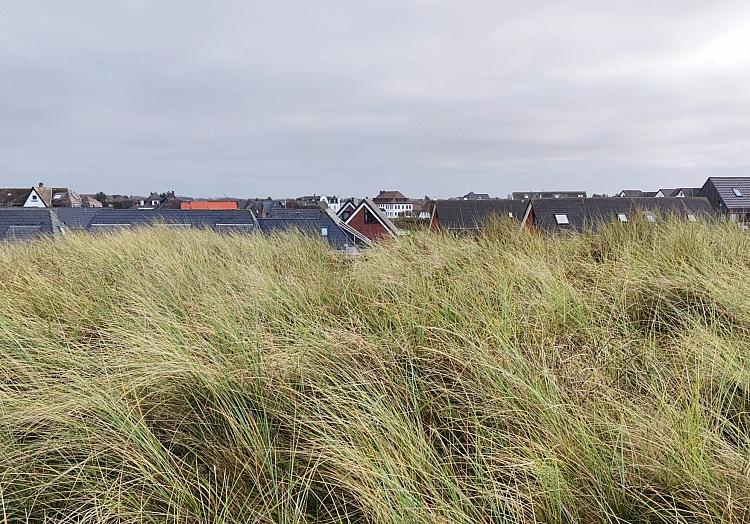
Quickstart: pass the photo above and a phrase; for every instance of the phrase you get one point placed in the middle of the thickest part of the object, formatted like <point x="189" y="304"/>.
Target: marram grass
<point x="187" y="377"/>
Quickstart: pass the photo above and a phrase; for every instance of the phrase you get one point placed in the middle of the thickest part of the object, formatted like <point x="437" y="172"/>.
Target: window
<point x="33" y="197"/>
<point x="650" y="217"/>
<point x="369" y="217"/>
<point x="510" y="214"/>
<point x="345" y="215"/>
<point x="691" y="217"/>
<point x="324" y="231"/>
<point x="561" y="219"/>
<point x="622" y="217"/>
<point x="737" y="192"/>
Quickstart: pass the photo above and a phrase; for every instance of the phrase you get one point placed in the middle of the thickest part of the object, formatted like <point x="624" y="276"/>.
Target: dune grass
<point x="182" y="376"/>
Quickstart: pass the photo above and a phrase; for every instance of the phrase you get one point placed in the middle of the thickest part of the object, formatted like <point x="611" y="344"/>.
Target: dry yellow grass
<point x="182" y="376"/>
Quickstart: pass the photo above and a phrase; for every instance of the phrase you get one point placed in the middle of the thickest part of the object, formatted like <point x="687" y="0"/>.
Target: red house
<point x="369" y="219"/>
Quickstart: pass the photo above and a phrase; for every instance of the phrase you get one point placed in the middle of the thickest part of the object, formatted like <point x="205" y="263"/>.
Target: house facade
<point x="394" y="204"/>
<point x="730" y="197"/>
<point x="369" y="220"/>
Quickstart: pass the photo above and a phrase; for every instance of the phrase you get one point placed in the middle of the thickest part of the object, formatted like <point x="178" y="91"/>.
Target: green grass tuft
<point x="184" y="376"/>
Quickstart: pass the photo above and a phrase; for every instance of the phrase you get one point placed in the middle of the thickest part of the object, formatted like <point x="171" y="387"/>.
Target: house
<point x="331" y="202"/>
<point x="679" y="192"/>
<point x="27" y="224"/>
<point x="475" y="196"/>
<point x="321" y="223"/>
<point x="579" y="214"/>
<point x="635" y="193"/>
<point x="469" y="216"/>
<point x="90" y="201"/>
<point x="20" y="197"/>
<point x="527" y="195"/>
<point x="421" y="208"/>
<point x="39" y="196"/>
<point x="58" y="196"/>
<point x="346" y="209"/>
<point x="156" y="201"/>
<point x="394" y="204"/>
<point x="729" y="196"/>
<point x="209" y="204"/>
<point x="223" y="221"/>
<point x="368" y="219"/>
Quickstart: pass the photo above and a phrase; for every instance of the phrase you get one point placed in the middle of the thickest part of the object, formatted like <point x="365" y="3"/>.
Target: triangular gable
<point x="384" y="221"/>
<point x="34" y="199"/>
<point x="348" y="205"/>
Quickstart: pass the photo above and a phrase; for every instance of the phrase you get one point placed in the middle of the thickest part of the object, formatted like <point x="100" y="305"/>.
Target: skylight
<point x="691" y="217"/>
<point x="623" y="217"/>
<point x="650" y="217"/>
<point x="737" y="192"/>
<point x="324" y="231"/>
<point x="562" y="219"/>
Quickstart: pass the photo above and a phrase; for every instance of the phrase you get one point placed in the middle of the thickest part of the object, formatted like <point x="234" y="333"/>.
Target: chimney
<point x="41" y="184"/>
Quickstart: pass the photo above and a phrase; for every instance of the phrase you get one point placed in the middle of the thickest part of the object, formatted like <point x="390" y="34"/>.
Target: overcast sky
<point x="283" y="98"/>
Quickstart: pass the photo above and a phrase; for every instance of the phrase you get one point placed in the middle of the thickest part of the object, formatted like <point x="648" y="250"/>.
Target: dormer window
<point x="622" y="217"/>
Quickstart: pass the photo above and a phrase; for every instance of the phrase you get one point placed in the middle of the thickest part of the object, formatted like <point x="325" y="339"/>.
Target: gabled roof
<point x="338" y="235"/>
<point x="90" y="201"/>
<point x="725" y="187"/>
<point x="631" y="193"/>
<point x="223" y="220"/>
<point x="347" y="204"/>
<point x="471" y="195"/>
<point x="27" y="224"/>
<point x="579" y="213"/>
<point x="14" y="196"/>
<point x="58" y="196"/>
<point x="368" y="204"/>
<point x="470" y="215"/>
<point x="679" y="192"/>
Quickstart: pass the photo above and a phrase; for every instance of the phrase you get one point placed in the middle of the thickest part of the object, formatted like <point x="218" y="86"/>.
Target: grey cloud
<point x="436" y="97"/>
